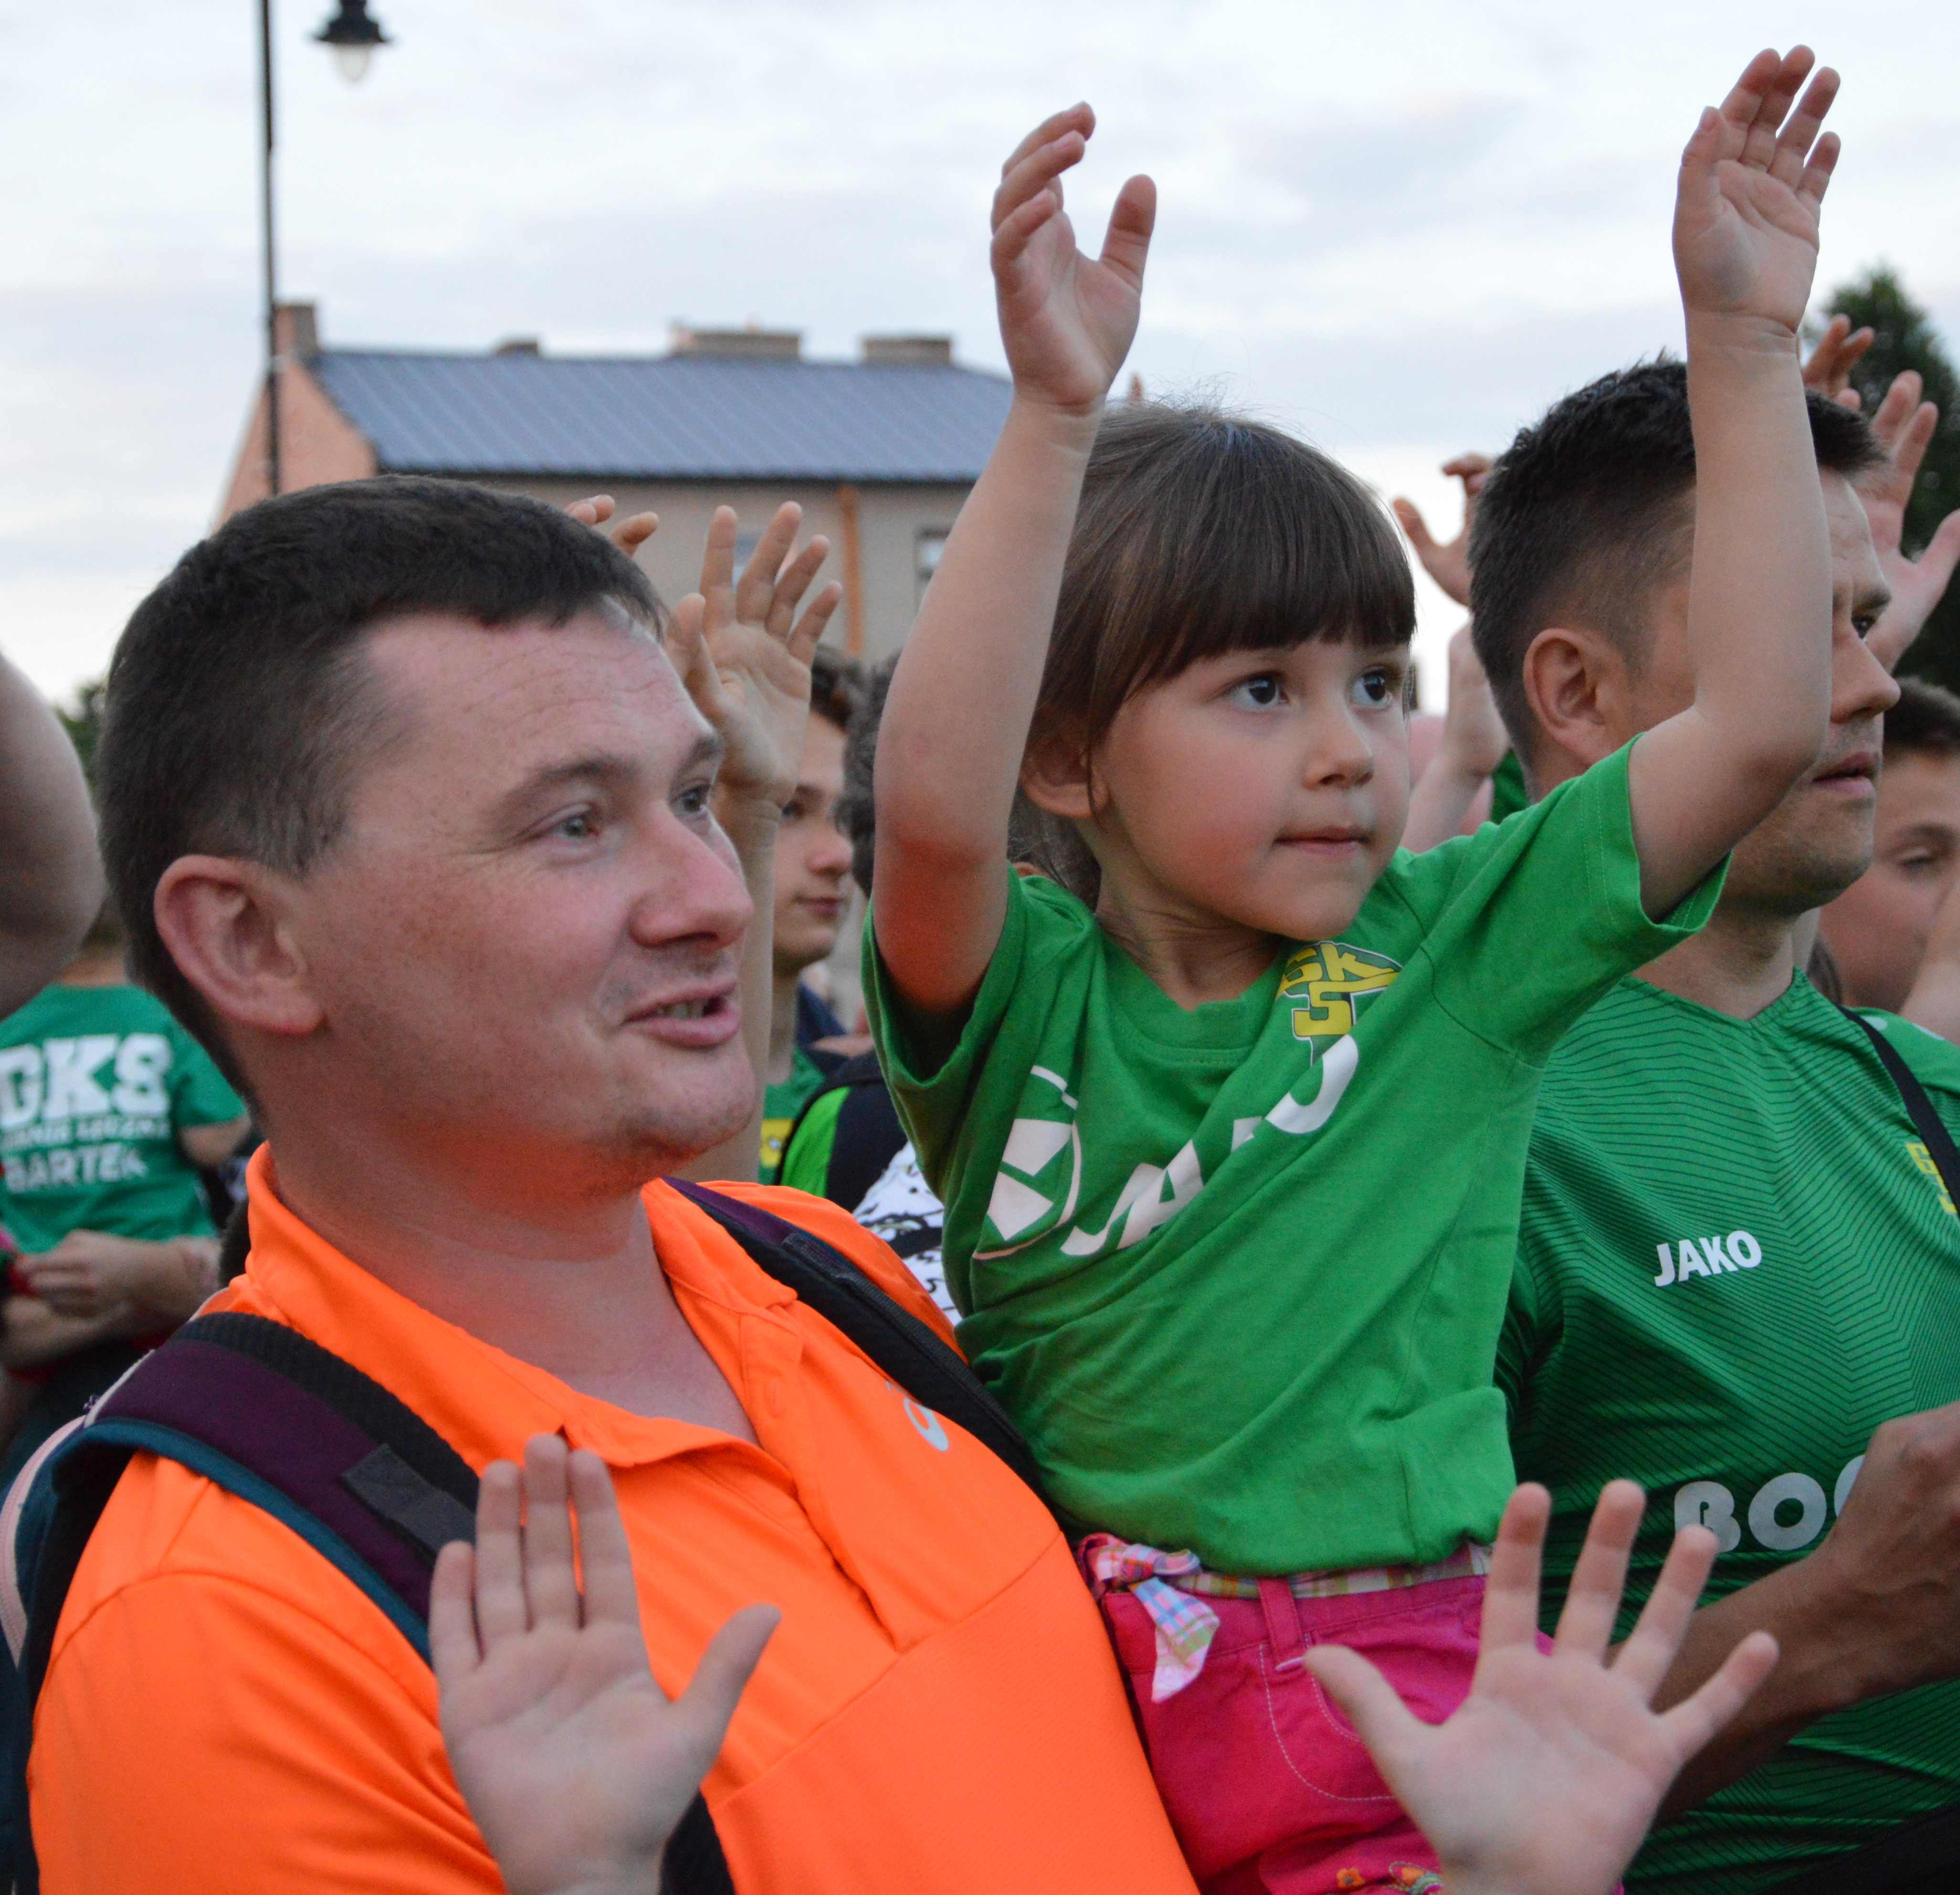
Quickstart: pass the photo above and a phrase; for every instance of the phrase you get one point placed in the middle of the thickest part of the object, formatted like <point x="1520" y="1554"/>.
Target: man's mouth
<point x="1853" y="772"/>
<point x="684" y="1010"/>
<point x="705" y="1015"/>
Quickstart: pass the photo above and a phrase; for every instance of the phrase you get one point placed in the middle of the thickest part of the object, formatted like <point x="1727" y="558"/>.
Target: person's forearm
<point x="1440" y="802"/>
<point x="1822" y="1667"/>
<point x="1759" y="599"/>
<point x="956" y="725"/>
<point x="33" y="1335"/>
<point x="50" y="879"/>
<point x="172" y="1287"/>
<point x="751" y="823"/>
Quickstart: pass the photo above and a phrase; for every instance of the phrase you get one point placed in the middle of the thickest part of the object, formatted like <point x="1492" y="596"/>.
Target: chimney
<point x="751" y="344"/>
<point x="297" y="326"/>
<point x="519" y="346"/>
<point x="909" y="352"/>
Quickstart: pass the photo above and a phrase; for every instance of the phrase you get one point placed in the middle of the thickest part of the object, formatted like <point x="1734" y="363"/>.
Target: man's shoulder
<point x="842" y="1231"/>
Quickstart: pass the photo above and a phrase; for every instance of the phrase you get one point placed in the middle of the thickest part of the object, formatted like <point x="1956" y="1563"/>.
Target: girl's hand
<point x="1745" y="215"/>
<point x="1545" y="1780"/>
<point x="573" y="1762"/>
<point x="1066" y="322"/>
<point x="744" y="655"/>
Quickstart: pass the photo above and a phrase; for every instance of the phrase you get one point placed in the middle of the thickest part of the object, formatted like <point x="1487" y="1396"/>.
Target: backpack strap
<point x="910" y="1352"/>
<point x="1925" y="1119"/>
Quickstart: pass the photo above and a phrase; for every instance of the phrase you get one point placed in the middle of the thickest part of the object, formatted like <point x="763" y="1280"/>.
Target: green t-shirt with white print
<point x="1239" y="1271"/>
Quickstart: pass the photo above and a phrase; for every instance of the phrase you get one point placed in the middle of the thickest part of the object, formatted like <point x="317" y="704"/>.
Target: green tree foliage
<point x="83" y="722"/>
<point x="1906" y="339"/>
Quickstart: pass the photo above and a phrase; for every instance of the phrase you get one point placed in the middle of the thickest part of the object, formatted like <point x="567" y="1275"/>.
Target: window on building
<point x="931" y="544"/>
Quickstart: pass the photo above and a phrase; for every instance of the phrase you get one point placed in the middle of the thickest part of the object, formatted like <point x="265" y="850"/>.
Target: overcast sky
<point x="1401" y="228"/>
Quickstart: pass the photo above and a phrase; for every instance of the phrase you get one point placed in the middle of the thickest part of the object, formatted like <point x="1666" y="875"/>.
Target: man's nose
<point x="693" y="890"/>
<point x="1861" y="686"/>
<point x="831" y="853"/>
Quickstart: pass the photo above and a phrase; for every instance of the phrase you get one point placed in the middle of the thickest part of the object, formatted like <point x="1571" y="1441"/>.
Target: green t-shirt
<point x="1736" y="1260"/>
<point x="1238" y="1272"/>
<point x="780" y="1103"/>
<point x="95" y="1083"/>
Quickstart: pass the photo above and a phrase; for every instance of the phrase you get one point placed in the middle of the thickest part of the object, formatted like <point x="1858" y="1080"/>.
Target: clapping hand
<point x="1904" y="425"/>
<point x="1067" y="319"/>
<point x="1746" y="220"/>
<point x="1448" y="562"/>
<point x="574" y="1762"/>
<point x="1544" y="1781"/>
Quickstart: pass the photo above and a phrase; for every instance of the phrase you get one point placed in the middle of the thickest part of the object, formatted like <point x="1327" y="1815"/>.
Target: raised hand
<point x="755" y="649"/>
<point x="1447" y="562"/>
<point x="1905" y="427"/>
<point x="573" y="1762"/>
<point x="1828" y="367"/>
<point x="628" y="534"/>
<point x="1745" y="218"/>
<point x="1546" y="1777"/>
<point x="1066" y="320"/>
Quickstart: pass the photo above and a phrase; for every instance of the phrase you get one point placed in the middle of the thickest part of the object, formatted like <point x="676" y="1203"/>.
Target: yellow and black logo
<point x="1923" y="1159"/>
<point x="1328" y="985"/>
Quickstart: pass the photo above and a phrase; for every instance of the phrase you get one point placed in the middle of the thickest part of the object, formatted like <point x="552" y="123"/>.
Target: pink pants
<point x="1269" y="1789"/>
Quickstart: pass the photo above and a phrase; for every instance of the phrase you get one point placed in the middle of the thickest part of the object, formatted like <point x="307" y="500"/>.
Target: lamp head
<point x="352" y="36"/>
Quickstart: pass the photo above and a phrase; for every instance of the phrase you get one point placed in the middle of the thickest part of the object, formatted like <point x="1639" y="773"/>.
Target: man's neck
<point x="572" y="1285"/>
<point x="783" y="1025"/>
<point x="95" y="970"/>
<point x="1741" y="963"/>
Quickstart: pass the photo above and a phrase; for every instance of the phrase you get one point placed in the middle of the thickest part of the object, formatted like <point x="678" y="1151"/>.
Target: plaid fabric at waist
<point x="1171" y="1587"/>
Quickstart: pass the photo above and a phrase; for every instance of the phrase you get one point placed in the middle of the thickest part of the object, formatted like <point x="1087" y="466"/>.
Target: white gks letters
<point x="1706" y="1257"/>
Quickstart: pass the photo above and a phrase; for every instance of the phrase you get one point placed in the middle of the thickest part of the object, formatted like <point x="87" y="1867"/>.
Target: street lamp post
<point x="352" y="36"/>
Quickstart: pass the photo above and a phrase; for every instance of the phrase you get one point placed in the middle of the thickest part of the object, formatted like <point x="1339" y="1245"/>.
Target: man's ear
<point x="225" y="924"/>
<point x="1056" y="777"/>
<point x="1576" y="685"/>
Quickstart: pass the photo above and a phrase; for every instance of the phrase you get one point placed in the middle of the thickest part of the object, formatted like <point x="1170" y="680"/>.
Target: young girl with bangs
<point x="1229" y="1111"/>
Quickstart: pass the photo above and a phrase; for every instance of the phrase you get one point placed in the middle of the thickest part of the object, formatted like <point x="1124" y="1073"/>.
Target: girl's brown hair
<point x="1199" y="533"/>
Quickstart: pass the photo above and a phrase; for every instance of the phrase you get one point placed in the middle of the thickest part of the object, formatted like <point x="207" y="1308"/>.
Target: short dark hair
<point x="836" y="686"/>
<point x="857" y="807"/>
<point x="238" y="703"/>
<point x="1924" y="722"/>
<point x="1589" y="512"/>
<point x="1202" y="533"/>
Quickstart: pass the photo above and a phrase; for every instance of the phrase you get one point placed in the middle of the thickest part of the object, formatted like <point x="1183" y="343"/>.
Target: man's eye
<point x="580" y="827"/>
<point x="1375" y="690"/>
<point x="694" y="801"/>
<point x="1259" y="693"/>
<point x="1865" y="623"/>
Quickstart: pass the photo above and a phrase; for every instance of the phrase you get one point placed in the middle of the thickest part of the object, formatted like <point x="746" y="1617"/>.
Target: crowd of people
<point x="1374" y="1302"/>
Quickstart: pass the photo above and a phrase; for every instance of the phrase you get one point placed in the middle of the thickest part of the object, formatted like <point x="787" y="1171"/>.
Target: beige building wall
<point x="896" y="524"/>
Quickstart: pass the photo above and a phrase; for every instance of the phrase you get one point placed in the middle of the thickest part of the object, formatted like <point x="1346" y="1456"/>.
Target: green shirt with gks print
<point x="1238" y="1271"/>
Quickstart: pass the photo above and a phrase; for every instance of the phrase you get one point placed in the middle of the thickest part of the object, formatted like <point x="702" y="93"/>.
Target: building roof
<point x="678" y="417"/>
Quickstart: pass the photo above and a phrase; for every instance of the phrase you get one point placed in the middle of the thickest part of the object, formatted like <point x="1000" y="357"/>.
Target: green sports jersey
<point x="95" y="1085"/>
<point x="780" y="1103"/>
<point x="1508" y="794"/>
<point x="1238" y="1271"/>
<point x="1736" y="1260"/>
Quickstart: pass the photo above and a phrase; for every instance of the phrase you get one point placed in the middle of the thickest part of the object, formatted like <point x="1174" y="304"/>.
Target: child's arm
<point x="1759" y="602"/>
<point x="573" y="1762"/>
<point x="1544" y="1781"/>
<point x="956" y="721"/>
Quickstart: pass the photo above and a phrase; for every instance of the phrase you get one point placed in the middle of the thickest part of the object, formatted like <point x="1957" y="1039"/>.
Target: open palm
<point x="1746" y="213"/>
<point x="1546" y="1778"/>
<point x="575" y="1763"/>
<point x="1066" y="320"/>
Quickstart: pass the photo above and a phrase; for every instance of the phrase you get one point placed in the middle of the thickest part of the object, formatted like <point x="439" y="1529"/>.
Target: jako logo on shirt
<point x="1039" y="1186"/>
<point x="1706" y="1257"/>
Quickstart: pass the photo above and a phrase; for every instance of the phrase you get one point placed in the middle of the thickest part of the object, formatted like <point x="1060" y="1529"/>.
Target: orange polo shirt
<point x="939" y="1711"/>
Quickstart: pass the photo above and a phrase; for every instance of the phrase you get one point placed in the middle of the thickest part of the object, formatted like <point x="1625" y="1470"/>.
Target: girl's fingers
<point x="631" y="534"/>
<point x="809" y="632"/>
<point x="1740" y="109"/>
<point x="687" y="648"/>
<point x="594" y="510"/>
<point x="717" y="563"/>
<point x="1649" y="1653"/>
<point x="1592" y="1600"/>
<point x="606" y="1562"/>
<point x="1126" y="243"/>
<point x="1759" y="146"/>
<point x="453" y="1650"/>
<point x="1896" y="408"/>
<point x="1693" y="1721"/>
<point x="791" y="584"/>
<point x="1793" y="142"/>
<point x="1078" y="117"/>
<point x="759" y="576"/>
<point x="1035" y="173"/>
<point x="1408" y="517"/>
<point x="1816" y="179"/>
<point x="1510" y="1592"/>
<point x="501" y="1611"/>
<point x="551" y="1585"/>
<point x="1014" y="233"/>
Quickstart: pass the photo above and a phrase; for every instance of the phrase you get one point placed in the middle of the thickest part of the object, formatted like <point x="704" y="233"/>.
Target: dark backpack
<point x="266" y="1415"/>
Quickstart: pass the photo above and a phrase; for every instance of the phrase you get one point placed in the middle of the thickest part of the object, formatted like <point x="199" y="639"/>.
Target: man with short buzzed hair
<point x="1738" y="1270"/>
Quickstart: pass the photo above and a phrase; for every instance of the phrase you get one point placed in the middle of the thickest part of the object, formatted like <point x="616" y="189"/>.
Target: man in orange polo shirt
<point x="410" y="818"/>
